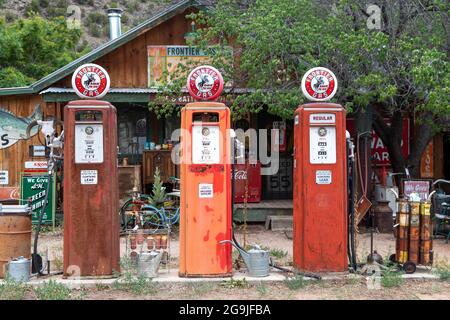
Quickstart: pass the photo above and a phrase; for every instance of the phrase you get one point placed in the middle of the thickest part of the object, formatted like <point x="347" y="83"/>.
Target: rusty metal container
<point x="15" y="234"/>
<point x="414" y="232"/>
<point x="402" y="234"/>
<point x="426" y="232"/>
<point x="383" y="216"/>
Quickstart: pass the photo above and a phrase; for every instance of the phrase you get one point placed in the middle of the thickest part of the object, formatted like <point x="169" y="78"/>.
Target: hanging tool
<point x="351" y="201"/>
<point x="56" y="145"/>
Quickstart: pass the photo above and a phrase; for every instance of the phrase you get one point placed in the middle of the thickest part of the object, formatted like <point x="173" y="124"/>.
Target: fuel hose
<point x="36" y="258"/>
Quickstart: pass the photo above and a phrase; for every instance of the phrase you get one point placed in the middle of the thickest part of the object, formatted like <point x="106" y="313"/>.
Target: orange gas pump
<point x="205" y="210"/>
<point x="91" y="222"/>
<point x="320" y="181"/>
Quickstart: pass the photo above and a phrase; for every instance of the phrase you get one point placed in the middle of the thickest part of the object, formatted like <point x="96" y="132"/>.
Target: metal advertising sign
<point x="4" y="177"/>
<point x="205" y="83"/>
<point x="319" y="84"/>
<point x="419" y="189"/>
<point x="379" y="152"/>
<point x="14" y="128"/>
<point x="90" y="81"/>
<point x="34" y="187"/>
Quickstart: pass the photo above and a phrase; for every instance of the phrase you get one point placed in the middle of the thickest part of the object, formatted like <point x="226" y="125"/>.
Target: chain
<point x="245" y="211"/>
<point x="356" y="229"/>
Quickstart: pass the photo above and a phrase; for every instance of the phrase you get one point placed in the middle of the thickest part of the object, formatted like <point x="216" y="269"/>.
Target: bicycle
<point x="441" y="210"/>
<point x="139" y="212"/>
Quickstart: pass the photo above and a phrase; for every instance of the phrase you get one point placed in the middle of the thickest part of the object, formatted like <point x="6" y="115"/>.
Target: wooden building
<point x="134" y="61"/>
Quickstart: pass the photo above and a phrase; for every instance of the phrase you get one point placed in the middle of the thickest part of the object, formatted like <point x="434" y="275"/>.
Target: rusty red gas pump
<point x="205" y="212"/>
<point x="91" y="222"/>
<point x="320" y="175"/>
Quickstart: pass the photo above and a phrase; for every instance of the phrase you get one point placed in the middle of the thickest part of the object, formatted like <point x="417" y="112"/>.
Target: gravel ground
<point x="280" y="246"/>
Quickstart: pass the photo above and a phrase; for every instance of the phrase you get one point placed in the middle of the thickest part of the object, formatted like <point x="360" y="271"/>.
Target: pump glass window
<point x="89" y="115"/>
<point x="322" y="145"/>
<point x="205" y="138"/>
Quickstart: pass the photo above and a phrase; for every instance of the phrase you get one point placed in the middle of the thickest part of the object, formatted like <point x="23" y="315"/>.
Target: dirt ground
<point x="280" y="245"/>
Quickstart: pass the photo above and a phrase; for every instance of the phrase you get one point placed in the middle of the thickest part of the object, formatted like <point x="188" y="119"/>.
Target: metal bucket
<point x="258" y="263"/>
<point x="148" y="263"/>
<point x="19" y="269"/>
<point x="15" y="234"/>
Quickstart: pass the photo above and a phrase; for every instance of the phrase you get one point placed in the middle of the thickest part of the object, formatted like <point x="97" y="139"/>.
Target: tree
<point x="400" y="68"/>
<point x="33" y="48"/>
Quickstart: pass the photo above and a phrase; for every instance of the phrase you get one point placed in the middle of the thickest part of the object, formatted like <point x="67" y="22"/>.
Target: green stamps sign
<point x="34" y="187"/>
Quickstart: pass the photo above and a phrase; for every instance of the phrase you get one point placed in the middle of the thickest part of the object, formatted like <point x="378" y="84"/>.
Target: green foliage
<point x="32" y="48"/>
<point x="278" y="253"/>
<point x="136" y="284"/>
<point x="295" y="282"/>
<point x="131" y="281"/>
<point x="33" y="8"/>
<point x="10" y="16"/>
<point x="12" y="290"/>
<point x="11" y="77"/>
<point x="96" y="22"/>
<point x="262" y="288"/>
<point x="402" y="66"/>
<point x="391" y="278"/>
<point x="132" y="6"/>
<point x="442" y="269"/>
<point x="52" y="290"/>
<point x="158" y="195"/>
<point x="235" y="283"/>
<point x="43" y="3"/>
<point x="85" y="2"/>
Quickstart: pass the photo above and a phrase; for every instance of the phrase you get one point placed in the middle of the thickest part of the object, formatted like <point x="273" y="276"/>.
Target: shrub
<point x="12" y="290"/>
<point x="295" y="282"/>
<point x="52" y="290"/>
<point x="392" y="277"/>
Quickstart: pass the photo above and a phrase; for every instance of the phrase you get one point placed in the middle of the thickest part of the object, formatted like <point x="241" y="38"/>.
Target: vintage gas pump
<point x="205" y="216"/>
<point x="91" y="222"/>
<point x="320" y="188"/>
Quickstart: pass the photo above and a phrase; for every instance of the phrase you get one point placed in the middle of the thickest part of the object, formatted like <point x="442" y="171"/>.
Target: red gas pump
<point x="320" y="175"/>
<point x="91" y="222"/>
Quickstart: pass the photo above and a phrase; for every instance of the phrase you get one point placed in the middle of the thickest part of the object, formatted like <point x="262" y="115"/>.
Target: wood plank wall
<point x="14" y="157"/>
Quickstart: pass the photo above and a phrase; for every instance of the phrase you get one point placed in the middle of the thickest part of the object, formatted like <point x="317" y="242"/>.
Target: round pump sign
<point x="90" y="81"/>
<point x="205" y="83"/>
<point x="319" y="84"/>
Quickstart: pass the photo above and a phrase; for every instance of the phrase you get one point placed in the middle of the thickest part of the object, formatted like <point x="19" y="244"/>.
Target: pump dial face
<point x="89" y="130"/>
<point x="205" y="83"/>
<point x="322" y="132"/>
<point x="205" y="131"/>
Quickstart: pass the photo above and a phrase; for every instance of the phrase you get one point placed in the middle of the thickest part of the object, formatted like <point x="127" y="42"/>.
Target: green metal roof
<point x="105" y="48"/>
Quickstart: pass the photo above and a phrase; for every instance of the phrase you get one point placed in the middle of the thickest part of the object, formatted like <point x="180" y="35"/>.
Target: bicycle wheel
<point x="172" y="208"/>
<point x="152" y="217"/>
<point x="128" y="221"/>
